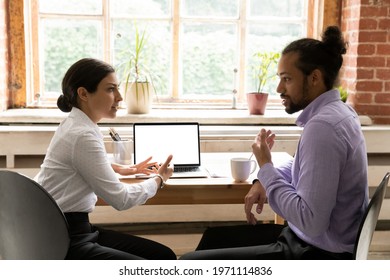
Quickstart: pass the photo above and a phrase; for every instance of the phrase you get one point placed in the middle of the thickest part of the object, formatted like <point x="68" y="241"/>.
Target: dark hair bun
<point x="64" y="104"/>
<point x="334" y="41"/>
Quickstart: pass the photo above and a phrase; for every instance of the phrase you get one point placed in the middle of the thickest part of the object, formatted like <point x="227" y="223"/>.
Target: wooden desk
<point x="218" y="189"/>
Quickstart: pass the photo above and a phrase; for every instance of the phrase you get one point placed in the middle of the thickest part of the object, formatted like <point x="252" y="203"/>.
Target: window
<point x="193" y="46"/>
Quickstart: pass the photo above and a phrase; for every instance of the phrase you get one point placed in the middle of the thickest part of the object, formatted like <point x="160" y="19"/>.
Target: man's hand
<point x="255" y="195"/>
<point x="262" y="146"/>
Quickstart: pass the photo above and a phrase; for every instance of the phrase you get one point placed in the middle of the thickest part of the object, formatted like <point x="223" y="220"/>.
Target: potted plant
<point x="136" y="76"/>
<point x="261" y="66"/>
<point x="343" y="94"/>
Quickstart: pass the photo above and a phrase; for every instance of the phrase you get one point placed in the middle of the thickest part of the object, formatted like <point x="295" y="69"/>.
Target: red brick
<point x="369" y="110"/>
<point x="373" y="11"/>
<point x="380" y="120"/>
<point x="383" y="49"/>
<point x="384" y="23"/>
<point x="373" y="110"/>
<point x="364" y="74"/>
<point x="350" y="61"/>
<point x="383" y="74"/>
<point x="387" y="86"/>
<point x="351" y="3"/>
<point x="363" y="98"/>
<point x="369" y="86"/>
<point x="373" y="36"/>
<point x="368" y="24"/>
<point x="353" y="24"/>
<point x="351" y="12"/>
<point x="371" y="62"/>
<point x="382" y="98"/>
<point x="366" y="49"/>
<point x="349" y="73"/>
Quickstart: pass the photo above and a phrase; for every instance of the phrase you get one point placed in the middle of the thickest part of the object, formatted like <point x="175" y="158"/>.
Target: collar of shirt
<point x="313" y="108"/>
<point x="80" y="117"/>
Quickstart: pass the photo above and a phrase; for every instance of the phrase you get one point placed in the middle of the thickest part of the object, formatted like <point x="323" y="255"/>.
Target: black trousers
<point x="92" y="243"/>
<point x="260" y="242"/>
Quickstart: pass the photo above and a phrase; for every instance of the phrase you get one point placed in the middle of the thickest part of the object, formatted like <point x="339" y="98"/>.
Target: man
<point x="322" y="193"/>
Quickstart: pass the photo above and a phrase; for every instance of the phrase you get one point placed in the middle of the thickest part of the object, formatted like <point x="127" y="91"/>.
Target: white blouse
<point x="76" y="170"/>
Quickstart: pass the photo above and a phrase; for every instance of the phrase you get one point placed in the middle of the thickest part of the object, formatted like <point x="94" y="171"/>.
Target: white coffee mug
<point x="241" y="168"/>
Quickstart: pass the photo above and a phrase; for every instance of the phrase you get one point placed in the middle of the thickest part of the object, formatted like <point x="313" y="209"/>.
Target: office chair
<point x="32" y="226"/>
<point x="370" y="218"/>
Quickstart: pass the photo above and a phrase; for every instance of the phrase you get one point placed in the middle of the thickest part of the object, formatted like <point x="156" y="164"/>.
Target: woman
<point x="76" y="169"/>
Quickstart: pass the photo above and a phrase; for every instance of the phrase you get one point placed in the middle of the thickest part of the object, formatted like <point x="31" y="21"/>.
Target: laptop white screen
<point x="160" y="140"/>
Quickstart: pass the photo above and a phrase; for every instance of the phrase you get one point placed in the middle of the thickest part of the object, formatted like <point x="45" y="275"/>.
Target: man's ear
<point x="82" y="93"/>
<point x="315" y="77"/>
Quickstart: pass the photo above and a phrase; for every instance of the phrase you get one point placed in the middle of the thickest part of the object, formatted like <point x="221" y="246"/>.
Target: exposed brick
<point x="384" y="23"/>
<point x="371" y="62"/>
<point x="374" y="11"/>
<point x="369" y="86"/>
<point x="373" y="110"/>
<point x="366" y="49"/>
<point x="364" y="74"/>
<point x="380" y="120"/>
<point x="351" y="3"/>
<point x="373" y="36"/>
<point x="368" y="24"/>
<point x="364" y="98"/>
<point x="383" y="49"/>
<point x="382" y="98"/>
<point x="353" y="25"/>
<point x="364" y="109"/>
<point x="351" y="12"/>
<point x="349" y="73"/>
<point x="383" y="74"/>
<point x="350" y="61"/>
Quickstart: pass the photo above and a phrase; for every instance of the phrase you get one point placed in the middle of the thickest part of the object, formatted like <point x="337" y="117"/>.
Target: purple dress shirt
<point x="323" y="191"/>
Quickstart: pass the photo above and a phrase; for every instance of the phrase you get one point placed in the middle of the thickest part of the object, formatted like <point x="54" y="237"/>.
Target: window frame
<point x="320" y="13"/>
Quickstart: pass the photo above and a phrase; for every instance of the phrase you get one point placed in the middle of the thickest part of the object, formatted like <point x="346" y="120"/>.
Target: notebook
<point x="181" y="139"/>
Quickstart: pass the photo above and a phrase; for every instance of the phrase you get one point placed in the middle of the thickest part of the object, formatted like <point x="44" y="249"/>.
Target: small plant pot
<point x="139" y="98"/>
<point x="256" y="102"/>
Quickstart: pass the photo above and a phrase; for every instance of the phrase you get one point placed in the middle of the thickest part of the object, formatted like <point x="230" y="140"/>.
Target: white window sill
<point x="220" y="116"/>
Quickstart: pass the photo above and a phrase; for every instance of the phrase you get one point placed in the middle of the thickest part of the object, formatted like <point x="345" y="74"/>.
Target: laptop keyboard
<point x="185" y="169"/>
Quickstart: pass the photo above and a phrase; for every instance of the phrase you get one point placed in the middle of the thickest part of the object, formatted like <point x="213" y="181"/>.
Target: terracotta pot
<point x="256" y="102"/>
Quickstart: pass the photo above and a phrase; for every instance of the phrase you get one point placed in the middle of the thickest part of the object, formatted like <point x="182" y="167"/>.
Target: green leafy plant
<point x="343" y="93"/>
<point x="261" y="66"/>
<point x="134" y="68"/>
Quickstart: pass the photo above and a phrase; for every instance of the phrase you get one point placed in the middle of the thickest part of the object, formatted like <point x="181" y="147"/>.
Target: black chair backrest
<point x="370" y="219"/>
<point x="32" y="226"/>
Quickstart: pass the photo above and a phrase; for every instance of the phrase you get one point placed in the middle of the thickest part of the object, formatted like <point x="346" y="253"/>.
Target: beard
<point x="292" y="107"/>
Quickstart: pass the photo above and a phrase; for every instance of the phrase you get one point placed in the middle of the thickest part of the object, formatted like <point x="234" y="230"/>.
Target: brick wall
<point x="3" y="57"/>
<point x="366" y="72"/>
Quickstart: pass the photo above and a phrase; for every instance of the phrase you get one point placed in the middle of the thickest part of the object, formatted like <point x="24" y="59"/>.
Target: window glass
<point x="207" y="8"/>
<point x="209" y="57"/>
<point x="64" y="42"/>
<point x="191" y="52"/>
<point x="268" y="37"/>
<point x="140" y="8"/>
<point x="70" y="6"/>
<point x="155" y="56"/>
<point x="272" y="8"/>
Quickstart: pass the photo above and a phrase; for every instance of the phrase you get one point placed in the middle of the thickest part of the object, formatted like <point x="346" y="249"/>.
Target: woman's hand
<point x="166" y="169"/>
<point x="144" y="167"/>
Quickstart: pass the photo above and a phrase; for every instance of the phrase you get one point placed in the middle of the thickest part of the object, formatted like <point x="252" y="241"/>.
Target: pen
<point x="114" y="135"/>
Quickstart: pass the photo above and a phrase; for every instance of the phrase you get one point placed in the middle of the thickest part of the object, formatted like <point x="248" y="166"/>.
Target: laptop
<point x="181" y="139"/>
